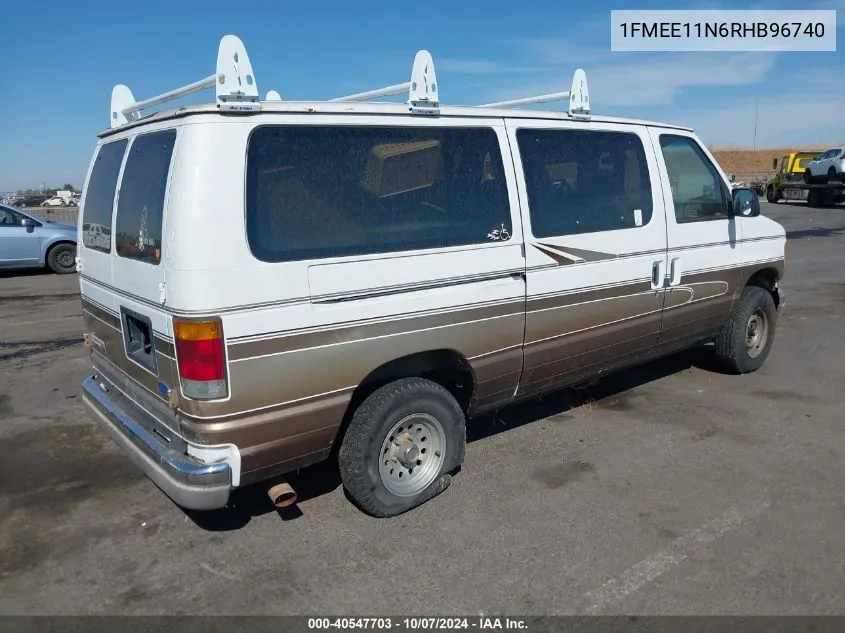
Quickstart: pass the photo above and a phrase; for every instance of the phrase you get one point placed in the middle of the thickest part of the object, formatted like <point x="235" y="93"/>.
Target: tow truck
<point x="788" y="183"/>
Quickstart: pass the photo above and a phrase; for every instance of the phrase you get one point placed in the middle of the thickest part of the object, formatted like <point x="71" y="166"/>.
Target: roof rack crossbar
<point x="234" y="81"/>
<point x="202" y="84"/>
<point x="578" y="97"/>
<point x="423" y="95"/>
<point x="374" y="94"/>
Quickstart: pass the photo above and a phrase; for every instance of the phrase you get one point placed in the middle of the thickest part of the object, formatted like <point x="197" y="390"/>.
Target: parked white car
<point x="55" y="201"/>
<point x="829" y="166"/>
<point x="96" y="236"/>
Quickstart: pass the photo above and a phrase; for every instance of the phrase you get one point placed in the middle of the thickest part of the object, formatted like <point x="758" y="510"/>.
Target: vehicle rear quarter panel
<point x="295" y="360"/>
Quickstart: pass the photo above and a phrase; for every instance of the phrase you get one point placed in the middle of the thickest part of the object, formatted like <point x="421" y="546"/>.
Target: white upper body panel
<point x="207" y="263"/>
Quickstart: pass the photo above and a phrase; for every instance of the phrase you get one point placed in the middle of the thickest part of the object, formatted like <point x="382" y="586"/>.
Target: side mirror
<point x="774" y="163"/>
<point x="745" y="203"/>
<point x="29" y="223"/>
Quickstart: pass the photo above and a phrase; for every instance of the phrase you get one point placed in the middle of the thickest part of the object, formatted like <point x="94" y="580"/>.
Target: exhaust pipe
<point x="282" y="495"/>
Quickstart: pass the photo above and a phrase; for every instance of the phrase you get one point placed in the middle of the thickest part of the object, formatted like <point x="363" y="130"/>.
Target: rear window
<point x="315" y="192"/>
<point x="99" y="196"/>
<point x="140" y="206"/>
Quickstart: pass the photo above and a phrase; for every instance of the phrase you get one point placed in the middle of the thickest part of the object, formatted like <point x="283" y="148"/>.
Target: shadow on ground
<point x="324" y="478"/>
<point x="815" y="232"/>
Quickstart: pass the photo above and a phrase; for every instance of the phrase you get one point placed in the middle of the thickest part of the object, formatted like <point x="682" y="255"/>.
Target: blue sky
<point x="61" y="60"/>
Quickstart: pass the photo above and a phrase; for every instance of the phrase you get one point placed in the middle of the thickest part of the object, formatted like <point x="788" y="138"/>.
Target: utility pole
<point x="756" y="100"/>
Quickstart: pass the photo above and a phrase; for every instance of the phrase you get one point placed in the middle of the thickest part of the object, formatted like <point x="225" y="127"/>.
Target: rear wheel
<point x="401" y="446"/>
<point x="61" y="258"/>
<point x="808" y="176"/>
<point x="831" y="175"/>
<point x="746" y="340"/>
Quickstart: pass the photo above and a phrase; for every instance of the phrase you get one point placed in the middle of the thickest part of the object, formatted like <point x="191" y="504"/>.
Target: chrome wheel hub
<point x="412" y="454"/>
<point x="756" y="333"/>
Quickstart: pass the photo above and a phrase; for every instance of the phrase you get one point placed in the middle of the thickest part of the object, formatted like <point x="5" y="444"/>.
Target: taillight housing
<point x="201" y="358"/>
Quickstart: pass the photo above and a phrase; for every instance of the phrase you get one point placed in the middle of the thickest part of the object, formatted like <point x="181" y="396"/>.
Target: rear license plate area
<point x="138" y="339"/>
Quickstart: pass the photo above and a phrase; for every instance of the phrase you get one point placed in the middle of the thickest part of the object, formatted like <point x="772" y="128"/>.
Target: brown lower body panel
<point x="278" y="441"/>
<point x="107" y="340"/>
<point x="280" y="424"/>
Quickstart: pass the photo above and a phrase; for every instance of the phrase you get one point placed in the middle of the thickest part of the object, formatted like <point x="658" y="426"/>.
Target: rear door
<point x="123" y="277"/>
<point x="595" y="236"/>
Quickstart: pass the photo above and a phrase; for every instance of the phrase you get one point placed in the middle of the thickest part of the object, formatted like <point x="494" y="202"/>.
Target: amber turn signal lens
<point x="197" y="330"/>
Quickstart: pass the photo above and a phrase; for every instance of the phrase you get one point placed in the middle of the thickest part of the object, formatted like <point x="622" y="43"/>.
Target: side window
<point x="314" y="192"/>
<point x="697" y="190"/>
<point x="9" y="217"/>
<point x="99" y="197"/>
<point x="140" y="206"/>
<point x="581" y="181"/>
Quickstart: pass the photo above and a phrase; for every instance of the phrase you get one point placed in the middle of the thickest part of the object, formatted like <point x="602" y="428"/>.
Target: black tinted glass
<point x="99" y="196"/>
<point x="322" y="191"/>
<point x="140" y="207"/>
<point x="584" y="182"/>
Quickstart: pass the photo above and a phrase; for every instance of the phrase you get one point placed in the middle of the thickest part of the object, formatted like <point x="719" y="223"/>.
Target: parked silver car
<point x="28" y="241"/>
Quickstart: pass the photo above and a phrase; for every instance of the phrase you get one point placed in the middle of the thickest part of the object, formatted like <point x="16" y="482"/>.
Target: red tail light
<point x="201" y="357"/>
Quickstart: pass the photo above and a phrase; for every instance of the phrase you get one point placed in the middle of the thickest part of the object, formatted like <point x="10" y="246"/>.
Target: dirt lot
<point x="674" y="489"/>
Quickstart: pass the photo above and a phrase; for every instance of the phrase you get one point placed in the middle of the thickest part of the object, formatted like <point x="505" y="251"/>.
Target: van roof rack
<point x="234" y="83"/>
<point x="237" y="89"/>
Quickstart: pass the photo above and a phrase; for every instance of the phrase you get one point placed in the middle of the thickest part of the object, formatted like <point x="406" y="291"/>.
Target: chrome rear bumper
<point x="187" y="481"/>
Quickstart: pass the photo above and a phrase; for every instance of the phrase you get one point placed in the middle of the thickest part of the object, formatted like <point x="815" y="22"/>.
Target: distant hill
<point x="746" y="161"/>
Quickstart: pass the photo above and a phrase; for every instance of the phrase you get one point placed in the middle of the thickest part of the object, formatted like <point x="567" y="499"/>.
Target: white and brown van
<point x="285" y="282"/>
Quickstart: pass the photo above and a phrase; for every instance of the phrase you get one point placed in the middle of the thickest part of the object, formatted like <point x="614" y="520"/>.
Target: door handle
<point x="675" y="271"/>
<point x="657" y="275"/>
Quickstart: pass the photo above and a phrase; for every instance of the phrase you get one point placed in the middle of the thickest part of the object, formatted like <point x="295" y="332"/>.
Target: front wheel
<point x="401" y="446"/>
<point x="771" y="195"/>
<point x="745" y="342"/>
<point x="62" y="259"/>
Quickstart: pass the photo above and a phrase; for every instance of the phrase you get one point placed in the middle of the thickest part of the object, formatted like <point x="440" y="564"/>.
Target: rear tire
<point x="61" y="258"/>
<point x="402" y="445"/>
<point x="746" y="340"/>
<point x="808" y="177"/>
<point x="831" y="175"/>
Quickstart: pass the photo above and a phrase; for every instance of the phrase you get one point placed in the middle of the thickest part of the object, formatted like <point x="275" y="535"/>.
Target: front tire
<point x="402" y="444"/>
<point x="771" y="195"/>
<point x="61" y="258"/>
<point x="745" y="342"/>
